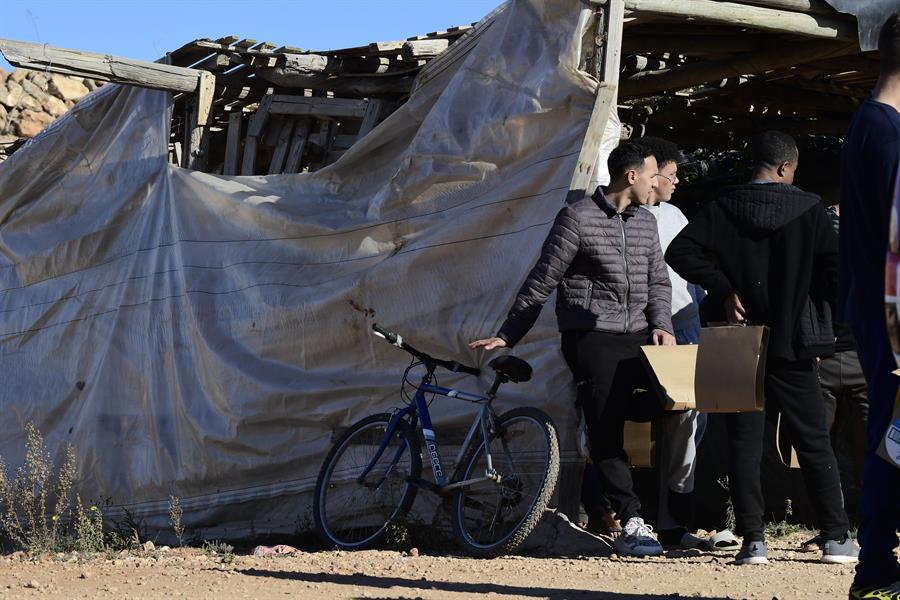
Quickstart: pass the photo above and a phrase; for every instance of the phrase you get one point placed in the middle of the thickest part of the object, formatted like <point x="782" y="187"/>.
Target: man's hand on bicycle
<point x="489" y="343"/>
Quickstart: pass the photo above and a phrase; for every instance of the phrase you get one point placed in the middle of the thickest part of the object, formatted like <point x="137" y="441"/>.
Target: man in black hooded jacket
<point x="767" y="254"/>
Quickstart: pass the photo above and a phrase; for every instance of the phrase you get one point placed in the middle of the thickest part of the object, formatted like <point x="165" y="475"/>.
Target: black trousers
<point x="846" y="411"/>
<point x="614" y="387"/>
<point x="792" y="387"/>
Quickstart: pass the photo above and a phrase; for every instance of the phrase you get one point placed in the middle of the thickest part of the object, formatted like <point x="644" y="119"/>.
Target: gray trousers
<point x="678" y="436"/>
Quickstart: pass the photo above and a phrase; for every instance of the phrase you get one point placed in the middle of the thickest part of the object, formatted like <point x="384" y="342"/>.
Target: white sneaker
<point x="637" y="539"/>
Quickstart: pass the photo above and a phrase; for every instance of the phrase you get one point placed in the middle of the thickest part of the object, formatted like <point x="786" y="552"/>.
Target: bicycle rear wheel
<point x="493" y="518"/>
<point x="353" y="515"/>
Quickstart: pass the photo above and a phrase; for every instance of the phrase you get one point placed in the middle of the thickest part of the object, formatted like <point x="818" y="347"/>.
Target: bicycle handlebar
<point x="395" y="339"/>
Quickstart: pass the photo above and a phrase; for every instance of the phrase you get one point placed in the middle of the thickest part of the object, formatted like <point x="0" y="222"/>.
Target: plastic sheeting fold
<point x="203" y="336"/>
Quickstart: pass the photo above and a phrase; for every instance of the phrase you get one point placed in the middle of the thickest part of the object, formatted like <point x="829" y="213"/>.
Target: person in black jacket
<point x="767" y="254"/>
<point x="603" y="259"/>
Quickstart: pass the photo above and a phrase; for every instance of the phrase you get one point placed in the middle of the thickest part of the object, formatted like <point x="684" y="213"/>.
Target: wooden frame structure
<point x="704" y="73"/>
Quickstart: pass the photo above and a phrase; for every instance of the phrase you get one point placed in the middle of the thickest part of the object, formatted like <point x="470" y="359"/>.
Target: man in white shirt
<point x="680" y="433"/>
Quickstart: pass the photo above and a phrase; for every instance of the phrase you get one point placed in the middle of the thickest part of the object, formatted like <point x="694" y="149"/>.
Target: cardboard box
<point x="731" y="369"/>
<point x="640" y="444"/>
<point x="673" y="369"/>
<point x="724" y="373"/>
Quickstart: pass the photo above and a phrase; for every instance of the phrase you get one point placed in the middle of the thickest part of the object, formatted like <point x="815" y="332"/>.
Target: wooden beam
<point x="614" y="14"/>
<point x="233" y="143"/>
<point x="343" y="85"/>
<point x="196" y="140"/>
<point x="818" y="7"/>
<point x="755" y="17"/>
<point x="281" y="146"/>
<point x="105" y="67"/>
<point x="678" y="78"/>
<point x="298" y="145"/>
<point x="690" y="45"/>
<point x="417" y="49"/>
<point x="370" y="119"/>
<point x="254" y="129"/>
<point x="320" y="107"/>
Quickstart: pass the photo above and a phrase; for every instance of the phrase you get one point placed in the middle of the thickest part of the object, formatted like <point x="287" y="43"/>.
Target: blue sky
<point x="147" y="29"/>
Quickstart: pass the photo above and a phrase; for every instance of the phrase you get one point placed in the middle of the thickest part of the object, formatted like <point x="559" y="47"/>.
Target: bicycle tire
<point x="366" y="526"/>
<point x="540" y="449"/>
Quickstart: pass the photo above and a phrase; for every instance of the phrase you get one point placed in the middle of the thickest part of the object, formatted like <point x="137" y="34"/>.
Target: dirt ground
<point x="192" y="573"/>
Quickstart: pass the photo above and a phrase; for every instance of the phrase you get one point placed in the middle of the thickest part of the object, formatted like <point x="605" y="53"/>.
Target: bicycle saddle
<point x="511" y="368"/>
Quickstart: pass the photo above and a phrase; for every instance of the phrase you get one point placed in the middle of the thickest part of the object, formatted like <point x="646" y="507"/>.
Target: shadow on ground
<point x="362" y="580"/>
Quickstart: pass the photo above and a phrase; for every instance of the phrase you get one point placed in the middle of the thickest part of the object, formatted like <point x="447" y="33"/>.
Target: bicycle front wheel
<point x="493" y="518"/>
<point x="353" y="514"/>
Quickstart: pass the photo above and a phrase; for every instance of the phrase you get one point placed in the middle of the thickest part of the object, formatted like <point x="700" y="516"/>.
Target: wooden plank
<point x="806" y="6"/>
<point x="215" y="63"/>
<point x="281" y="146"/>
<point x="385" y="48"/>
<point x="254" y="129"/>
<point x="755" y="17"/>
<point x="228" y="40"/>
<point x="245" y="44"/>
<point x="614" y="14"/>
<point x="646" y="83"/>
<point x="105" y="67"/>
<point x="370" y="119"/>
<point x="343" y="85"/>
<point x="320" y="107"/>
<point x="233" y="143"/>
<point x="417" y="49"/>
<point x="199" y="109"/>
<point x="298" y="144"/>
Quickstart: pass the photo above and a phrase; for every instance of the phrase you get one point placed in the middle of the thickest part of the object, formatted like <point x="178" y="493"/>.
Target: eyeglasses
<point x="672" y="179"/>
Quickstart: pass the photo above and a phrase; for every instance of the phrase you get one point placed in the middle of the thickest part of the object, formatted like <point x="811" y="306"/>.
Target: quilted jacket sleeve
<point x="659" y="292"/>
<point x="557" y="254"/>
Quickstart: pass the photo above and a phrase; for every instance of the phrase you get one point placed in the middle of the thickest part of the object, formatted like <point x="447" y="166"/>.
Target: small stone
<point x="32" y="584"/>
<point x="54" y="105"/>
<point x="66" y="88"/>
<point x="18" y="75"/>
<point x="29" y="102"/>
<point x="148" y="546"/>
<point x="85" y="575"/>
<point x="30" y="123"/>
<point x="11" y="94"/>
<point x="414" y="552"/>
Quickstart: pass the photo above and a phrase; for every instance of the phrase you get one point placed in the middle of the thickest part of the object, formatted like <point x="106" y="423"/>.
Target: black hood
<point x="765" y="207"/>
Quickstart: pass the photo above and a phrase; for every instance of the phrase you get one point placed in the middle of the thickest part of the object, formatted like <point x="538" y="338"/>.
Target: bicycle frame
<point x="417" y="410"/>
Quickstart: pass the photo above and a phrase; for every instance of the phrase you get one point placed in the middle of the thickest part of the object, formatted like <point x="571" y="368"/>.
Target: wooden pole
<point x="818" y="7"/>
<point x="754" y="17"/>
<point x="646" y="83"/>
<point x="105" y="67"/>
<point x="607" y="92"/>
<point x="196" y="139"/>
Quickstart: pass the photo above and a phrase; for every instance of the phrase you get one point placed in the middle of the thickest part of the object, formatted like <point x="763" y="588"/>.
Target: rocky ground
<point x="195" y="573"/>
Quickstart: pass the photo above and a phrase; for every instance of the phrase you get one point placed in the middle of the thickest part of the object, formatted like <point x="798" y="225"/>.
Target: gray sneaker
<point x="752" y="553"/>
<point x="840" y="551"/>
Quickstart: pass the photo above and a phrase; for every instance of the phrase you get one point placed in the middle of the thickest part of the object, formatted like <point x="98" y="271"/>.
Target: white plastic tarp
<point x="203" y="336"/>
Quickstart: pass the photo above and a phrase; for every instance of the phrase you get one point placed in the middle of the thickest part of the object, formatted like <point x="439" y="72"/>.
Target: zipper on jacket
<point x="590" y="293"/>
<point x="627" y="281"/>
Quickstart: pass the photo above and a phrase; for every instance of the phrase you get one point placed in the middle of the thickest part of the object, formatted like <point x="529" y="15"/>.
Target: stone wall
<point x="31" y="100"/>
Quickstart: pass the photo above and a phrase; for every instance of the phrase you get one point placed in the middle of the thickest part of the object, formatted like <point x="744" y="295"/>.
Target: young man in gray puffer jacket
<point x="613" y="295"/>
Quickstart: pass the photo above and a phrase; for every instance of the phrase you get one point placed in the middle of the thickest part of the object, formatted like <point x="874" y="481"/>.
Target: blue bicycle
<point x="499" y="483"/>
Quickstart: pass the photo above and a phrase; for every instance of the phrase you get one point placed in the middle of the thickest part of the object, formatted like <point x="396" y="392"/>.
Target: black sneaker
<point x="888" y="591"/>
<point x="752" y="553"/>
